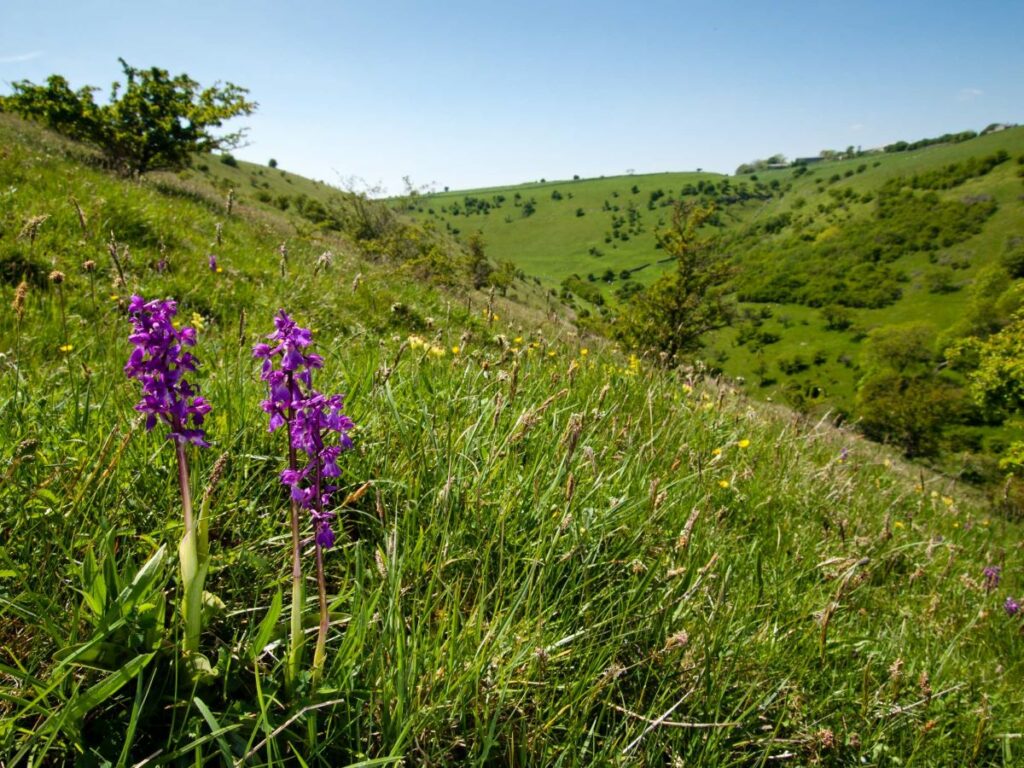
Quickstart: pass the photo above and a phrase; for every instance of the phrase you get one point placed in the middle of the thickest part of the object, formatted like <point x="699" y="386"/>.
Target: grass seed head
<point x="30" y="229"/>
<point x="18" y="305"/>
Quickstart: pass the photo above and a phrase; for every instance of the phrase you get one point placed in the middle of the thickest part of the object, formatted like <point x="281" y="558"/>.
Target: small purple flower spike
<point x="991" y="575"/>
<point x="1011" y="606"/>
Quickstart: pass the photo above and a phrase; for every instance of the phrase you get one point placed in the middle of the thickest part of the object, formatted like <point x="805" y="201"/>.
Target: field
<point x="563" y="556"/>
<point x="573" y="235"/>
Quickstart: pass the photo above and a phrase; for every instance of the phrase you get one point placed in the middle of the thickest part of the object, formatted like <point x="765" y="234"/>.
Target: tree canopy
<point x="153" y="121"/>
<point x="673" y="314"/>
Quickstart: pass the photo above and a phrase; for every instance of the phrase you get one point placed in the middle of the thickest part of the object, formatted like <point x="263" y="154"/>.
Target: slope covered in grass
<point x="563" y="558"/>
<point x="824" y="254"/>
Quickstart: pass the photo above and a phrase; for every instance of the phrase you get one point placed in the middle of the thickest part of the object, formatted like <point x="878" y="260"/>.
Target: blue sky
<point x="468" y="94"/>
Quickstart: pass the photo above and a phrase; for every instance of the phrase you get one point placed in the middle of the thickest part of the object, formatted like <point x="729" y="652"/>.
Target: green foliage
<point x="902" y="399"/>
<point x="480" y="268"/>
<point x="853" y="266"/>
<point x="556" y="548"/>
<point x="583" y="289"/>
<point x="909" y="410"/>
<point x="153" y="120"/>
<point x="955" y="174"/>
<point x="673" y="315"/>
<point x="998" y="382"/>
<point x="946" y="138"/>
<point x="905" y="348"/>
<point x="837" y="318"/>
<point x="1013" y="256"/>
<point x="503" y="277"/>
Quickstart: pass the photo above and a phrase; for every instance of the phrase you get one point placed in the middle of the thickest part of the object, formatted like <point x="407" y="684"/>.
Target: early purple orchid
<point x="311" y="418"/>
<point x="159" y="362"/>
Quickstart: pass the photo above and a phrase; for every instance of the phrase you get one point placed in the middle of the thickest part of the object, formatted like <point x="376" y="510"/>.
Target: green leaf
<point x="144" y="580"/>
<point x="80" y="706"/>
<point x="266" y="628"/>
<point x="216" y="730"/>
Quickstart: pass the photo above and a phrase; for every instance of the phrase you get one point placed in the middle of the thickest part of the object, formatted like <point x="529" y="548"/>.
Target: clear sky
<point x="469" y="94"/>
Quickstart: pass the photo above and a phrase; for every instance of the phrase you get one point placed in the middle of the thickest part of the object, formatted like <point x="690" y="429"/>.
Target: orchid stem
<point x="294" y="663"/>
<point x="193" y="568"/>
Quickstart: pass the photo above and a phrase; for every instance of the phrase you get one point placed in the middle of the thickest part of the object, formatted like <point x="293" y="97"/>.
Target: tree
<point x="908" y="410"/>
<point x="480" y="268"/>
<point x="153" y="121"/>
<point x="903" y="399"/>
<point x="677" y="310"/>
<point x="998" y="382"/>
<point x="272" y="163"/>
<point x="502" y="277"/>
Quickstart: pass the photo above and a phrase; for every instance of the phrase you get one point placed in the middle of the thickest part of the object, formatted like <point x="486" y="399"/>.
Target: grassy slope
<point x="559" y="547"/>
<point x="555" y="243"/>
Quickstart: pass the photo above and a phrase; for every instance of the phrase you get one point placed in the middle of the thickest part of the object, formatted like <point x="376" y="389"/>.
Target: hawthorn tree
<point x="153" y="121"/>
<point x="903" y="397"/>
<point x="673" y="315"/>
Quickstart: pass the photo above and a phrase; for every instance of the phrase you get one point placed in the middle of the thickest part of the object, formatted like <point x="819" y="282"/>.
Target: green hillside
<point x="564" y="556"/>
<point x="888" y="237"/>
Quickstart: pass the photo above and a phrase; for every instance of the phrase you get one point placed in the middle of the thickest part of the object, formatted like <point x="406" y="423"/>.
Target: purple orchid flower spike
<point x="318" y="428"/>
<point x="159" y="362"/>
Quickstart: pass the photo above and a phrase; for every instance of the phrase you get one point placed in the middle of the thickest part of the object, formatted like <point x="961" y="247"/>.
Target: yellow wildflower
<point x="723" y="483"/>
<point x="455" y="349"/>
<point x="947" y="500"/>
<point x="584" y="352"/>
<point x="198" y="321"/>
<point x="898" y="524"/>
<point x="66" y="347"/>
<point x="744" y="443"/>
<point x="716" y="452"/>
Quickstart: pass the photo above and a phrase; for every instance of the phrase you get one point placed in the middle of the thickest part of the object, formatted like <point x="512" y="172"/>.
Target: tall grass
<point x="561" y="558"/>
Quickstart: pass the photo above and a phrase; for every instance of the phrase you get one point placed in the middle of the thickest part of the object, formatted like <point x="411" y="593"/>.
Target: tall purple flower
<point x="211" y="261"/>
<point x="159" y="362"/>
<point x="1011" y="606"/>
<point x="317" y="427"/>
<point x="311" y="418"/>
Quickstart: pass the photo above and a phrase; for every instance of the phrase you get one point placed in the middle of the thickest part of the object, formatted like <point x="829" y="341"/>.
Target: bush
<point x="229" y="159"/>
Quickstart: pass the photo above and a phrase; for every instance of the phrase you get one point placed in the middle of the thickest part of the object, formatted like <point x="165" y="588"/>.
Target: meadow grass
<point x="563" y="556"/>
